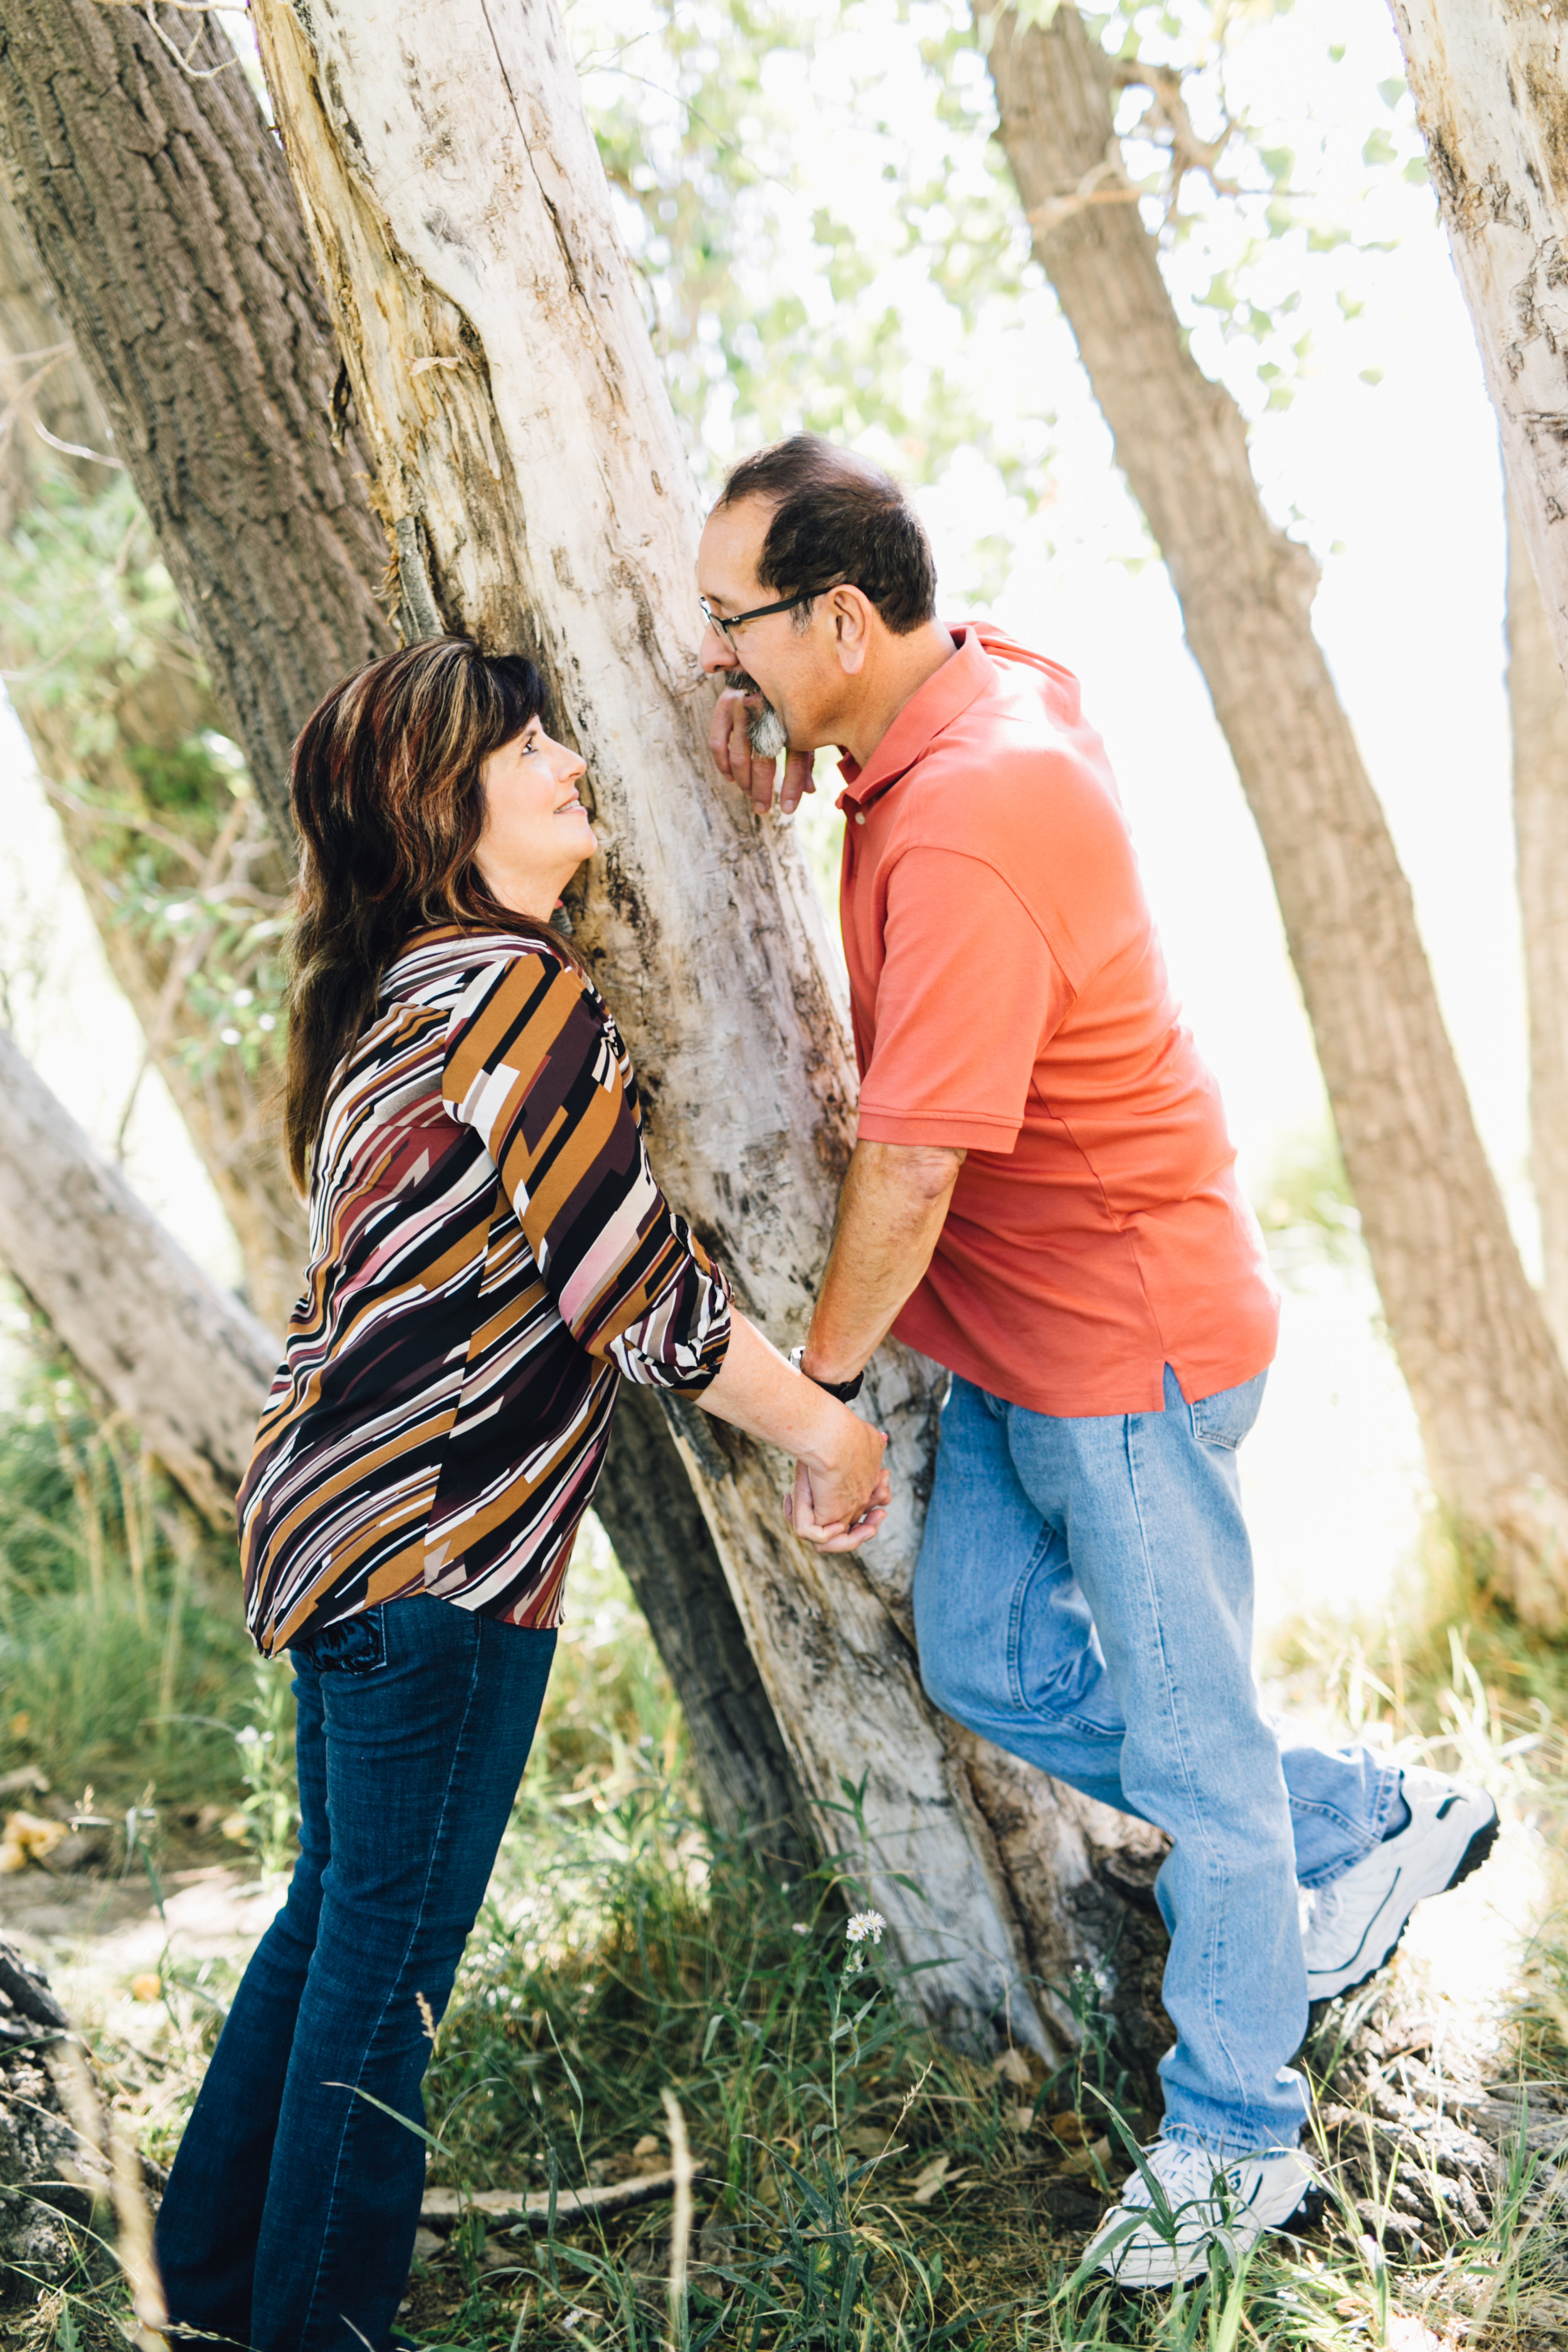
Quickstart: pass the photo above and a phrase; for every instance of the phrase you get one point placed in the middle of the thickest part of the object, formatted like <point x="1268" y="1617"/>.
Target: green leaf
<point x="1379" y="148"/>
<point x="1391" y="91"/>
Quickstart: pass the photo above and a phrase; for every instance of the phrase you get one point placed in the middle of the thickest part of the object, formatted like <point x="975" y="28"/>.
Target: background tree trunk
<point x="529" y="467"/>
<point x="1538" y="704"/>
<point x="204" y="182"/>
<point x="647" y="1507"/>
<point x="159" y="710"/>
<point x="1490" y="85"/>
<point x="1471" y="1335"/>
<point x="159" y="207"/>
<point x="181" y="1359"/>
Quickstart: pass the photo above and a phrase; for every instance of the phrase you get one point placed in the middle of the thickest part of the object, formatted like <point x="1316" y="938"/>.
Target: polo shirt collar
<point x="950" y="689"/>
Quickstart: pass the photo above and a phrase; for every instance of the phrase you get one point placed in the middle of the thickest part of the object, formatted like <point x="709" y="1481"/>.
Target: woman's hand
<point x="842" y="1488"/>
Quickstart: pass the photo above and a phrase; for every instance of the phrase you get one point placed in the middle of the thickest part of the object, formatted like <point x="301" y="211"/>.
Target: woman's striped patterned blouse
<point x="488" y="1252"/>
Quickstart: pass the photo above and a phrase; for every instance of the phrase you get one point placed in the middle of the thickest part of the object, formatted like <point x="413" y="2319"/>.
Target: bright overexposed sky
<point x="1396" y="484"/>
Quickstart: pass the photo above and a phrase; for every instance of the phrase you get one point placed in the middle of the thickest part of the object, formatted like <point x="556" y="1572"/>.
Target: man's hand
<point x="734" y="758"/>
<point x="825" y="1508"/>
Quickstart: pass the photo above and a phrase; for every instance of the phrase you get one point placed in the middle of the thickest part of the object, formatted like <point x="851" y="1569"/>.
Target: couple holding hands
<point x="1042" y="1198"/>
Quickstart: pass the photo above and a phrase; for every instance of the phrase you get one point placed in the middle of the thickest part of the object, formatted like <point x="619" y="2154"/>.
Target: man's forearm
<point x="890" y="1216"/>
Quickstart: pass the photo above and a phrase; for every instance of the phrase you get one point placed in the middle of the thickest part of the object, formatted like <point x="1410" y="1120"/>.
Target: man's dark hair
<point x="838" y="520"/>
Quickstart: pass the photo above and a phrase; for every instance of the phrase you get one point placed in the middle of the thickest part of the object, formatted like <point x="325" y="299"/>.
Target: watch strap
<point x="845" y="1391"/>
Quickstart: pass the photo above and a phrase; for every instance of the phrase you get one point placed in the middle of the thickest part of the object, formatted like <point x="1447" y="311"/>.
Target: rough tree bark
<point x="529" y="465"/>
<point x="1490" y="85"/>
<point x="183" y="1358"/>
<point x="1471" y="1336"/>
<point x="160" y="208"/>
<point x="202" y="182"/>
<point x="159" y="710"/>
<point x="1537" y="703"/>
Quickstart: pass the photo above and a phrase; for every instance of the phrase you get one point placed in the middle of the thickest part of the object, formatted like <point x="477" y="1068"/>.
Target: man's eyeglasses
<point x="727" y="623"/>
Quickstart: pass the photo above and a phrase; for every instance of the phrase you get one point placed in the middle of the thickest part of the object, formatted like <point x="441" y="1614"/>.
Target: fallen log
<point x="443" y="2208"/>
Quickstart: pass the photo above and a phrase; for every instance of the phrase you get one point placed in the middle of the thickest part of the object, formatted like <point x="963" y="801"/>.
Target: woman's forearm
<point x="841" y="1488"/>
<point x="759" y="1392"/>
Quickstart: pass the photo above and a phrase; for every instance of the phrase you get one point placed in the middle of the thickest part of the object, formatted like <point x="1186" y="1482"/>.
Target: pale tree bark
<point x="1490" y="82"/>
<point x="1538" y="704"/>
<point x="43" y="392"/>
<point x="528" y="463"/>
<point x="1470" y="1333"/>
<point x="160" y="209"/>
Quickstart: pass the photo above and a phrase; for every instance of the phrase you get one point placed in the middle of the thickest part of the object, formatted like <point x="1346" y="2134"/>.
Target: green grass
<point x="124" y="1656"/>
<point x="860" y="2187"/>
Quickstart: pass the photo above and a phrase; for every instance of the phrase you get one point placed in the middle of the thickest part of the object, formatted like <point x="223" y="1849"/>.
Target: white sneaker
<point x="1168" y="2220"/>
<point x="1355" y="1923"/>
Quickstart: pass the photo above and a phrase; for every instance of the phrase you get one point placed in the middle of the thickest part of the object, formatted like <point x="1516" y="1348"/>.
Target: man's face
<point x="773" y="658"/>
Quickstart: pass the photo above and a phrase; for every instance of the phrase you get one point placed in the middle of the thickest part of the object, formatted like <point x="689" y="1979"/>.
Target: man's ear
<point x="853" y="618"/>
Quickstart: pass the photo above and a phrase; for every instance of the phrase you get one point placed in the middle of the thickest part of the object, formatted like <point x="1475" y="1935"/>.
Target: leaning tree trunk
<point x="529" y="468"/>
<point x="1537" y="703"/>
<point x="182" y="1357"/>
<point x="200" y="184"/>
<point x="1471" y="1336"/>
<point x="160" y="208"/>
<point x="1490" y="85"/>
<point x="158" y="709"/>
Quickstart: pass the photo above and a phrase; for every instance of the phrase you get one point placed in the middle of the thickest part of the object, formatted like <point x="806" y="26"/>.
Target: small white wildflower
<point x="243" y="996"/>
<point x="800" y="1928"/>
<point x="228" y="1037"/>
<point x="864" y="1924"/>
<point x="266" y="1023"/>
<point x="249" y="1738"/>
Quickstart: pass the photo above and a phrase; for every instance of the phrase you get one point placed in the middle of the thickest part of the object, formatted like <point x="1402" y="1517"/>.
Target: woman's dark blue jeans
<point x="289" y="2220"/>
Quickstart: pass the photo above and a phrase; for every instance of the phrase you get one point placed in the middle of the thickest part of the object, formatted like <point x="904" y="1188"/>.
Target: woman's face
<point x="536" y="831"/>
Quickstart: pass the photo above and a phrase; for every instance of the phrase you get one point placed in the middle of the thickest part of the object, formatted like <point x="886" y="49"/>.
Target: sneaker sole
<point x="1481" y="1845"/>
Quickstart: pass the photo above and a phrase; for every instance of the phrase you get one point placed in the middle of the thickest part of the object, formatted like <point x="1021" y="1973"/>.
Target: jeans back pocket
<point x="1225" y="1418"/>
<point x="357" y="1646"/>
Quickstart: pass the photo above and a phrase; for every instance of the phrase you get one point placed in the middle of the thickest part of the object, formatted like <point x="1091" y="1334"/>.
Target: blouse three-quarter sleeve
<point x="533" y="1065"/>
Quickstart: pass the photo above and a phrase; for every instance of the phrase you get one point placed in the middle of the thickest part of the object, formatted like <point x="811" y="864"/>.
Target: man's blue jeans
<point x="1084" y="1598"/>
<point x="289" y="2220"/>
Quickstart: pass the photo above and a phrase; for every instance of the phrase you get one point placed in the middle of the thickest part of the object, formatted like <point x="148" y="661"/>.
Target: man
<point x="1043" y="1198"/>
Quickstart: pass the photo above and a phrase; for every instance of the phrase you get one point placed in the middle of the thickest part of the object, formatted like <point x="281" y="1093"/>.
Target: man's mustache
<point x="765" y="730"/>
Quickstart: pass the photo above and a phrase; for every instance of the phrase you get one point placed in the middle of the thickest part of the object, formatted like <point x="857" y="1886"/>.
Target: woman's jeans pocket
<point x="357" y="1647"/>
<point x="1225" y="1418"/>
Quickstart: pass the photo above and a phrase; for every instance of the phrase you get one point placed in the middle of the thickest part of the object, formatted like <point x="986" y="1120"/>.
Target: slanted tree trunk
<point x="1470" y="1333"/>
<point x="203" y="203"/>
<point x="528" y="463"/>
<point x="182" y="1357"/>
<point x="1490" y="85"/>
<point x="1537" y="702"/>
<point x="160" y="209"/>
<point x="156" y="709"/>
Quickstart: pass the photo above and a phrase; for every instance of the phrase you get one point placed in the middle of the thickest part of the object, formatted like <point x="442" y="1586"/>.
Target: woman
<point x="490" y="1256"/>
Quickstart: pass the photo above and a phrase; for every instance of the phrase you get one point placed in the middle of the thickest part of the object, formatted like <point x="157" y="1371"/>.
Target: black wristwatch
<point x="845" y="1391"/>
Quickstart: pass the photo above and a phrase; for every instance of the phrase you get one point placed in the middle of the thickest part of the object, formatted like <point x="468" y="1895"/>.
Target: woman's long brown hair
<point x="390" y="808"/>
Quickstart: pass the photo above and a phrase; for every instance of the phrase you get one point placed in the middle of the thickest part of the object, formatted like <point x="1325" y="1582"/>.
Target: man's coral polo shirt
<point x="1009" y="995"/>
